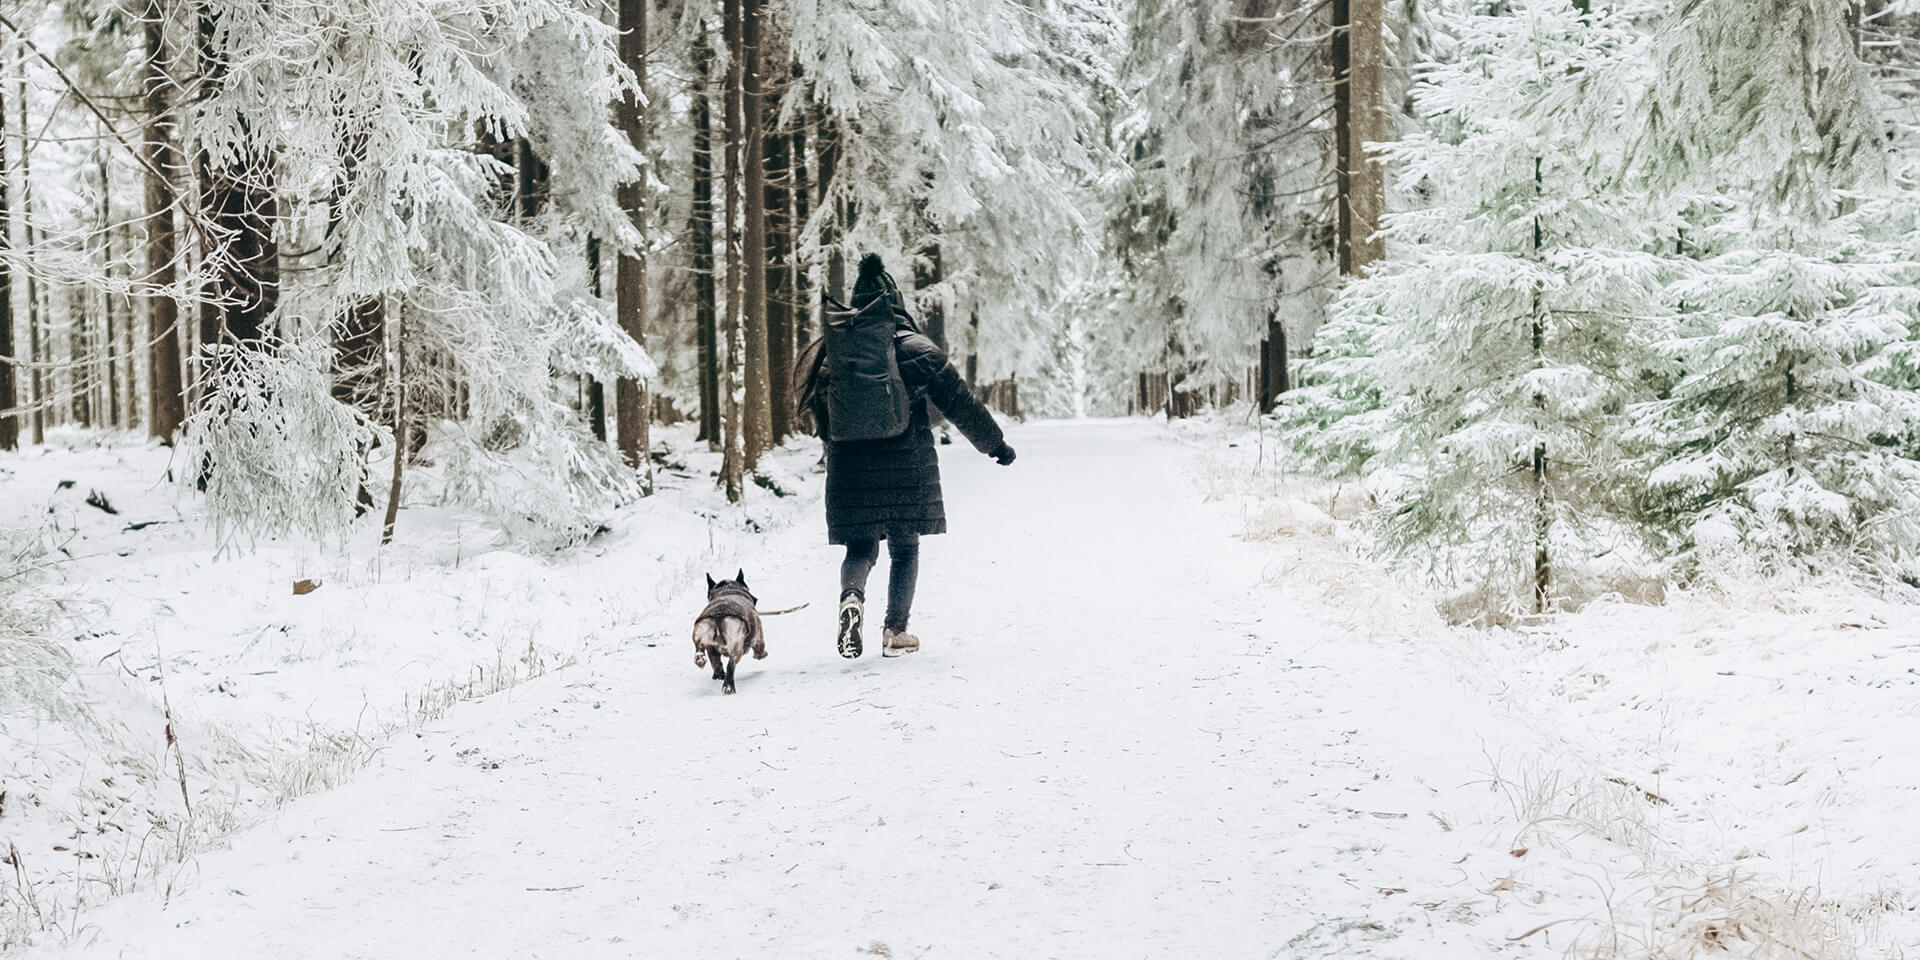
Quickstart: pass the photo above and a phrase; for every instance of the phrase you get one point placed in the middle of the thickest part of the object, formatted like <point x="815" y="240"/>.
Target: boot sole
<point x="850" y="646"/>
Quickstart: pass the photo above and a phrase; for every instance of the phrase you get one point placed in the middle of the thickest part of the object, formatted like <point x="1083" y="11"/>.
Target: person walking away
<point x="868" y="382"/>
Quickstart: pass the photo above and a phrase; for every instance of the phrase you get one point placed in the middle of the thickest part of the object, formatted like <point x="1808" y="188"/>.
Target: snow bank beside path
<point x="1722" y="771"/>
<point x="275" y="694"/>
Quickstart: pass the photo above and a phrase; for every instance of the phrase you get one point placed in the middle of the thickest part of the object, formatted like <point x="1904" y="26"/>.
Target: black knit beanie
<point x="871" y="282"/>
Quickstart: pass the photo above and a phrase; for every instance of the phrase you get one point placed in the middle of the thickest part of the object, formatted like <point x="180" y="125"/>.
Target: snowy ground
<point x="1160" y="711"/>
<point x="275" y="695"/>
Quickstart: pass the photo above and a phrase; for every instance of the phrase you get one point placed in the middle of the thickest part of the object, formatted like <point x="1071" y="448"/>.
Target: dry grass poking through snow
<point x="1726" y="773"/>
<point x="139" y="657"/>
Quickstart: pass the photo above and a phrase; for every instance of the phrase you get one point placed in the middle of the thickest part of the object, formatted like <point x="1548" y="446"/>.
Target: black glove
<point x="1003" y="455"/>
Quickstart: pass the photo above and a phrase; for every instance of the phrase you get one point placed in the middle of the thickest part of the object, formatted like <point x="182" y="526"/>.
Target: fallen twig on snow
<point x="1529" y="933"/>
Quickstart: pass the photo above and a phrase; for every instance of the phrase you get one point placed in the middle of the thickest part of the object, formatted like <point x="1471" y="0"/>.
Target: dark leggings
<point x="903" y="553"/>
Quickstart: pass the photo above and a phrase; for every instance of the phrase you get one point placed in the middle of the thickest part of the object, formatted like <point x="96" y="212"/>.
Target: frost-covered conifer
<point x="974" y="124"/>
<point x="1767" y="98"/>
<point x="1480" y="372"/>
<point x="1792" y="433"/>
<point x="1218" y="222"/>
<point x="371" y="112"/>
<point x="1337" y="417"/>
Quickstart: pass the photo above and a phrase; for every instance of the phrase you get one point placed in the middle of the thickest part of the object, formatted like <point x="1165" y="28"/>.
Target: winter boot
<point x="852" y="615"/>
<point x="896" y="642"/>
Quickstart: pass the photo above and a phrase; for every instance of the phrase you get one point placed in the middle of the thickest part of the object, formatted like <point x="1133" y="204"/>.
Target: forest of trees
<point x="282" y="236"/>
<point x="1576" y="277"/>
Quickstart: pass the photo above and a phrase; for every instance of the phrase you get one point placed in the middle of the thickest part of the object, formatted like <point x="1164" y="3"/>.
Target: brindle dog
<point x="729" y="625"/>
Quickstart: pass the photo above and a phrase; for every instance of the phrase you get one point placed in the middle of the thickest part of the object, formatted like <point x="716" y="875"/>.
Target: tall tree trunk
<point x="400" y="414"/>
<point x="240" y="208"/>
<point x="800" y="193"/>
<point x="166" y="401"/>
<point x="36" y="382"/>
<point x="700" y="235"/>
<point x="633" y="404"/>
<point x="531" y="179"/>
<point x="109" y="345"/>
<point x="596" y="391"/>
<point x="126" y="348"/>
<point x="9" y="383"/>
<point x="129" y="348"/>
<point x="80" y="335"/>
<point x="734" y="450"/>
<point x="1542" y="503"/>
<point x="928" y="272"/>
<point x="360" y="334"/>
<point x="973" y="348"/>
<point x="1359" y="117"/>
<point x="753" y="240"/>
<point x="779" y="281"/>
<point x="826" y="140"/>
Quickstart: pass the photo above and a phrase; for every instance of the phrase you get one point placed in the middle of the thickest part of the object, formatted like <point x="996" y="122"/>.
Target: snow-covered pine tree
<point x="1219" y="224"/>
<point x="1480" y="372"/>
<point x="486" y="304"/>
<point x="1768" y="98"/>
<point x="984" y="142"/>
<point x="1336" y="418"/>
<point x="1792" y="435"/>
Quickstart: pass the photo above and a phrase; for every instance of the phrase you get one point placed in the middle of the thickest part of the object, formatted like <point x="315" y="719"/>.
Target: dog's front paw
<point x="700" y="659"/>
<point x="760" y="653"/>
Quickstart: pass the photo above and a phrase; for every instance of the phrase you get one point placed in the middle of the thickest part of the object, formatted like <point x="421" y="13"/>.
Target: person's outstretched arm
<point x="923" y="365"/>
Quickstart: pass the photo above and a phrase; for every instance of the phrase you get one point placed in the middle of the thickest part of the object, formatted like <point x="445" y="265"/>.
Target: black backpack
<point x="866" y="397"/>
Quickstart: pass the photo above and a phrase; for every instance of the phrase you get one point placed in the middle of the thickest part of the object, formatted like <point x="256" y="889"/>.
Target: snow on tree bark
<point x="733" y="462"/>
<point x="9" y="383"/>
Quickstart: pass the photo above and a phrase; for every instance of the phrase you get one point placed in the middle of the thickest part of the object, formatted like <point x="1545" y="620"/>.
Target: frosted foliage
<point x="1791" y="432"/>
<point x="987" y="138"/>
<point x="376" y="107"/>
<point x="1709" y="360"/>
<point x="539" y="473"/>
<point x="1336" y="416"/>
<point x="1768" y="95"/>
<point x="1219" y="222"/>
<point x="1082" y="372"/>
<point x="562" y="72"/>
<point x="35" y="666"/>
<point x="280" y="456"/>
<point x="1510" y="315"/>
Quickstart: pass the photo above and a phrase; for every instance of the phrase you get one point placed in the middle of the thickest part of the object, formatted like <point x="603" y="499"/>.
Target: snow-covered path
<point x="1124" y="737"/>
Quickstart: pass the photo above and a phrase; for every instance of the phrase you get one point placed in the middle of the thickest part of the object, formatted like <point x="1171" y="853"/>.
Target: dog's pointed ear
<point x="740" y="576"/>
<point x="710" y="583"/>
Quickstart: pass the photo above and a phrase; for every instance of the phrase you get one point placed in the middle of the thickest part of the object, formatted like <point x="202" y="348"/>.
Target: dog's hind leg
<point x="733" y="638"/>
<point x="702" y="639"/>
<point x="719" y="673"/>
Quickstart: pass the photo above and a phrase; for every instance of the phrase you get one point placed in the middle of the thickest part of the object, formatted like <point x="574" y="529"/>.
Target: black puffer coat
<point x="891" y="487"/>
